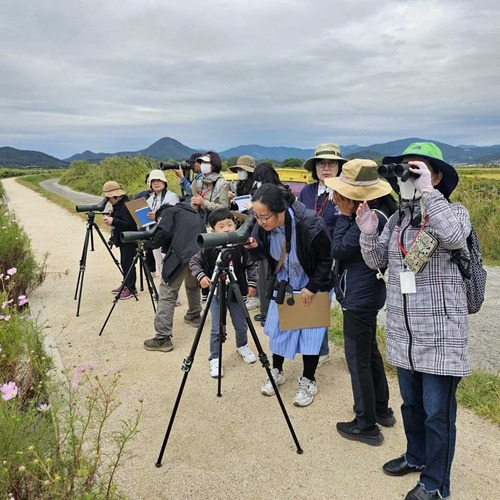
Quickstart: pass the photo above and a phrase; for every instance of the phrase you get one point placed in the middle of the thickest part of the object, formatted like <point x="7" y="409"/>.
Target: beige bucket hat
<point x="245" y="162"/>
<point x="326" y="151"/>
<point x="112" y="188"/>
<point x="156" y="175"/>
<point x="359" y="181"/>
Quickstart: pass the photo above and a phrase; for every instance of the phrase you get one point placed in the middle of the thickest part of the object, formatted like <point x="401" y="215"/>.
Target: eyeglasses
<point x="330" y="164"/>
<point x="263" y="218"/>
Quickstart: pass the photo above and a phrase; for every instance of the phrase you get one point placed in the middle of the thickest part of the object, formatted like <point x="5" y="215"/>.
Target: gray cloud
<point x="109" y="76"/>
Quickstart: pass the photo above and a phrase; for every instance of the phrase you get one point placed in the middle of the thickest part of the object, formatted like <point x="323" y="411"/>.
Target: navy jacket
<point x="356" y="285"/>
<point x="323" y="206"/>
<point x="122" y="221"/>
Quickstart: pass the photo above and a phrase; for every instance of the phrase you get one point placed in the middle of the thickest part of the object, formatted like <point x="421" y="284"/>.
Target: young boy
<point x="202" y="266"/>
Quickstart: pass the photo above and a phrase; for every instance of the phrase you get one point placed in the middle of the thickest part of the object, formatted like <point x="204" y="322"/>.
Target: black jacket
<point x="313" y="248"/>
<point x="122" y="221"/>
<point x="176" y="233"/>
<point x="356" y="285"/>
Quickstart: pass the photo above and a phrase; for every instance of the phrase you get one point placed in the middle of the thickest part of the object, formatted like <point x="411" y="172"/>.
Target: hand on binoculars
<point x="366" y="219"/>
<point x="423" y="182"/>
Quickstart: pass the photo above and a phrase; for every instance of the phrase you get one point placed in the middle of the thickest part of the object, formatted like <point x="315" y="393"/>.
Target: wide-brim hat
<point x="326" y="151"/>
<point x="156" y="175"/>
<point x="112" y="188"/>
<point x="359" y="181"/>
<point x="430" y="151"/>
<point x="244" y="162"/>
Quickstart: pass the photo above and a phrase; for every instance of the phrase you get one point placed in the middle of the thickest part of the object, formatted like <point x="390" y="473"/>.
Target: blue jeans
<point x="238" y="319"/>
<point x="429" y="412"/>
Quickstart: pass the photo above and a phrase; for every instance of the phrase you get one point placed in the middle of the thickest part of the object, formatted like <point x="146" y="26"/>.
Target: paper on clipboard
<point x="139" y="205"/>
<point x="296" y="316"/>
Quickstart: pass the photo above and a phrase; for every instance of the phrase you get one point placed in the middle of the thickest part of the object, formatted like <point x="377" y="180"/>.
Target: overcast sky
<point x="114" y="75"/>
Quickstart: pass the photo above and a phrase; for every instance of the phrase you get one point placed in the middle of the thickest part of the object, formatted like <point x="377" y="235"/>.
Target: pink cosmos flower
<point x="5" y="303"/>
<point x="12" y="271"/>
<point x="9" y="390"/>
<point x="75" y="382"/>
<point x="6" y="318"/>
<point x="22" y="300"/>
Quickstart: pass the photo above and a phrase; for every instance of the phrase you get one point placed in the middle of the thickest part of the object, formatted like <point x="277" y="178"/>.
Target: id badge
<point x="407" y="279"/>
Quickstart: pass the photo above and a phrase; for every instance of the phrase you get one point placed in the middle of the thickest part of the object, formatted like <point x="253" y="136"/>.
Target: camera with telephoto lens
<point x="401" y="170"/>
<point x="238" y="237"/>
<point x="176" y="165"/>
<point x="98" y="208"/>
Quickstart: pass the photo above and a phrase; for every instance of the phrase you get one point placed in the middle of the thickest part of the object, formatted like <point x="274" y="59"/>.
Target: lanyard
<point x="400" y="245"/>
<point x="319" y="210"/>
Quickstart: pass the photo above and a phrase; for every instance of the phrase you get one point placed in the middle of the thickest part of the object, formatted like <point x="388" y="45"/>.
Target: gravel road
<point x="484" y="329"/>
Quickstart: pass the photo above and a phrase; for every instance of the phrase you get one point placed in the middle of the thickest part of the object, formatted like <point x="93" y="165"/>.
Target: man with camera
<point x="176" y="233"/>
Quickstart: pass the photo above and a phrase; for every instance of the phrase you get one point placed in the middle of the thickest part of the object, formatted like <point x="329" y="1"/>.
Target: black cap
<point x="193" y="157"/>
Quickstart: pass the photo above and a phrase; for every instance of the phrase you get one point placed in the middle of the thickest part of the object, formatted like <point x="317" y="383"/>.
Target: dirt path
<point x="237" y="446"/>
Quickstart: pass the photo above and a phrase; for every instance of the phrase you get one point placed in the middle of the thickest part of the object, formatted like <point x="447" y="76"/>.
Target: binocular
<point x="281" y="287"/>
<point x="401" y="170"/>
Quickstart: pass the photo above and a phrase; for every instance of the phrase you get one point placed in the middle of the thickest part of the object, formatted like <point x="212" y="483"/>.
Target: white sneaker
<point x="214" y="368"/>
<point x="246" y="353"/>
<point x="305" y="392"/>
<point x="323" y="359"/>
<point x="252" y="303"/>
<point x="267" y="388"/>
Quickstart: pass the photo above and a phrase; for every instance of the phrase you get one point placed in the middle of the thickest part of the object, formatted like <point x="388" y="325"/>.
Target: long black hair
<point x="245" y="187"/>
<point x="386" y="204"/>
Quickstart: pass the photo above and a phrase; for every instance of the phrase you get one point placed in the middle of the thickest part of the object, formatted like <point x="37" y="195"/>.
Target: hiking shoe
<point x="252" y="303"/>
<point x="116" y="290"/>
<point x="246" y="353"/>
<point x="193" y="321"/>
<point x="260" y="317"/>
<point x="323" y="359"/>
<point x="352" y="431"/>
<point x="267" y="388"/>
<point x="157" y="344"/>
<point x="214" y="368"/>
<point x="177" y="303"/>
<point x="386" y="419"/>
<point x="126" y="294"/>
<point x="306" y="391"/>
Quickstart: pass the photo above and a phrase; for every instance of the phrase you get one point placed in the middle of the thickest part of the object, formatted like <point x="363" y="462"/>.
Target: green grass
<point x="480" y="392"/>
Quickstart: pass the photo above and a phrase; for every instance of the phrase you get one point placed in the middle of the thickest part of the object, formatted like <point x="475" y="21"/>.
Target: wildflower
<point x="6" y="318"/>
<point x="22" y="300"/>
<point x="46" y="482"/>
<point x="43" y="407"/>
<point x="12" y="271"/>
<point x="9" y="391"/>
<point x="5" y="303"/>
<point x="75" y="382"/>
<point x="22" y="468"/>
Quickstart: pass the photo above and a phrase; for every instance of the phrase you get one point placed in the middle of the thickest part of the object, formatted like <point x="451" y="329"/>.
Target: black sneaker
<point x="352" y="431"/>
<point x="386" y="419"/>
<point x="193" y="321"/>
<point x="157" y="344"/>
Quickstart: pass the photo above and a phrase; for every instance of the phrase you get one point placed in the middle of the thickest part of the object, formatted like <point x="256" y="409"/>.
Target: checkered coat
<point x="426" y="331"/>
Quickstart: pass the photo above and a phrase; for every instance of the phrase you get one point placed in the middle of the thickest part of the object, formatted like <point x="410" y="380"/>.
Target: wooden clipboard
<point x="296" y="316"/>
<point x="134" y="205"/>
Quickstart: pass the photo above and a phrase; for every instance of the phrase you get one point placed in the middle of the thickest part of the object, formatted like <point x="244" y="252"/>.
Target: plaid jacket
<point x="426" y="331"/>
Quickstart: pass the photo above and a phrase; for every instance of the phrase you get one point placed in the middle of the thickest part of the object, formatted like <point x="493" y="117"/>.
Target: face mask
<point x="257" y="184"/>
<point x="206" y="168"/>
<point x="242" y="175"/>
<point x="408" y="191"/>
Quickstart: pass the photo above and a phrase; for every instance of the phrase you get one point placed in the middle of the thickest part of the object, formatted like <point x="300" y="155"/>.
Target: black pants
<point x="369" y="383"/>
<point x="127" y="254"/>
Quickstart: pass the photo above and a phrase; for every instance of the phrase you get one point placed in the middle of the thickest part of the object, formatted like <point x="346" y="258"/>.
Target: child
<point x="121" y="220"/>
<point x="202" y="266"/>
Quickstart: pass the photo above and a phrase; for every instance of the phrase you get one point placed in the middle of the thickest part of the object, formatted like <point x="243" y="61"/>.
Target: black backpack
<point x="473" y="272"/>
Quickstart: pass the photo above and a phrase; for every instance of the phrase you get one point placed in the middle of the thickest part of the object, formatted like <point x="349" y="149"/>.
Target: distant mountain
<point x="11" y="157"/>
<point x="262" y="152"/>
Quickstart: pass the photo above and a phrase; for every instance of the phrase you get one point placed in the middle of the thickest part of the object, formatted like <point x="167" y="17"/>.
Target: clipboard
<point x="138" y="205"/>
<point x="296" y="316"/>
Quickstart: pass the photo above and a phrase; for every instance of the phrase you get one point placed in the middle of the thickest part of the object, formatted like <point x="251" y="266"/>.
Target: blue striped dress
<point x="287" y="343"/>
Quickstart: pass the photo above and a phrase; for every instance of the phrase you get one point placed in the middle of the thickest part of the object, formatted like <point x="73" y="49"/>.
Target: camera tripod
<point x="153" y="293"/>
<point x="89" y="237"/>
<point x="222" y="273"/>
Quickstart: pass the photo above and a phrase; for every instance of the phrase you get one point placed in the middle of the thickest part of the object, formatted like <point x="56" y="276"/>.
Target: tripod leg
<point x="263" y="359"/>
<point x="120" y="290"/>
<point x="141" y="276"/>
<point x="83" y="265"/>
<point x="105" y="243"/>
<point x="222" y="295"/>
<point x="187" y="364"/>
<point x="153" y="292"/>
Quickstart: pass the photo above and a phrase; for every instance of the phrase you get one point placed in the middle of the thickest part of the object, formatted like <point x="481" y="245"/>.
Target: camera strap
<point x="282" y="258"/>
